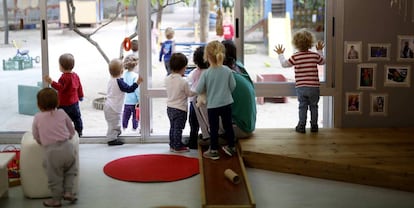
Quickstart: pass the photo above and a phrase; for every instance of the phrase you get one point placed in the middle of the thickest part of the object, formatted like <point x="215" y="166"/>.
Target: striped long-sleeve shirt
<point x="306" y="67"/>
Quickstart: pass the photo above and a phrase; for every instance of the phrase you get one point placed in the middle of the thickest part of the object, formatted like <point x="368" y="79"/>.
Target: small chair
<point x="32" y="174"/>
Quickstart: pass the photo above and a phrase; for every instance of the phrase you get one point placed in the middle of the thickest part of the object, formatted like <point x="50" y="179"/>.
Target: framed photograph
<point x="353" y="103"/>
<point x="366" y="76"/>
<point x="397" y="75"/>
<point x="405" y="48"/>
<point x="379" y="104"/>
<point x="379" y="51"/>
<point x="353" y="51"/>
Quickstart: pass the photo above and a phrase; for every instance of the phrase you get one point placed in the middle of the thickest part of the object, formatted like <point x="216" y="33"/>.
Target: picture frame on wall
<point x="405" y="48"/>
<point x="397" y="75"/>
<point x="379" y="51"/>
<point x="378" y="104"/>
<point x="353" y="103"/>
<point x="366" y="76"/>
<point x="352" y="51"/>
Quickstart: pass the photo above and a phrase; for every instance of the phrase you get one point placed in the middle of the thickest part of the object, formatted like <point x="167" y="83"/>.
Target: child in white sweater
<point x="115" y="101"/>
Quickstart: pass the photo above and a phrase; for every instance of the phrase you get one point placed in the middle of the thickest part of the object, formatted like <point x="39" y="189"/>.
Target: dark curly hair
<point x="198" y="58"/>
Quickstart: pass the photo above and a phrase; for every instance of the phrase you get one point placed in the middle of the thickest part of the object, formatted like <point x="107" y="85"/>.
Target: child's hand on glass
<point x="320" y="45"/>
<point x="279" y="49"/>
<point x="48" y="79"/>
<point x="139" y="80"/>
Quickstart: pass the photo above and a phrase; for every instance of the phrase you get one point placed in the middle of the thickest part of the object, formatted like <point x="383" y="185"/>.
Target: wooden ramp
<point x="375" y="156"/>
<point x="219" y="192"/>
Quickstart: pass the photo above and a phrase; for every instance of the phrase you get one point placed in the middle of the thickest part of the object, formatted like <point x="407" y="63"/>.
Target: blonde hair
<point x="169" y="33"/>
<point x="214" y="53"/>
<point x="115" y="67"/>
<point x="130" y="62"/>
<point x="303" y="40"/>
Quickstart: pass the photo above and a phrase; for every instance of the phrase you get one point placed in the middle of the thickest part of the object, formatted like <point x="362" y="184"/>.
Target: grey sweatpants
<point x="61" y="168"/>
<point x="113" y="119"/>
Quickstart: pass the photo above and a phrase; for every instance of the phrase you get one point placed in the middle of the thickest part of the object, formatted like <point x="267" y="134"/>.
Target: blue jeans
<point x="308" y="96"/>
<point x="74" y="113"/>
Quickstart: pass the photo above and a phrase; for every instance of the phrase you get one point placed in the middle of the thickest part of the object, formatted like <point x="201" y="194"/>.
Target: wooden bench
<point x="381" y="157"/>
<point x="217" y="191"/>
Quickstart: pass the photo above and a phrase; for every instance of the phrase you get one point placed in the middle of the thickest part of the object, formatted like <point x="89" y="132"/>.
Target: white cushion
<point x="32" y="174"/>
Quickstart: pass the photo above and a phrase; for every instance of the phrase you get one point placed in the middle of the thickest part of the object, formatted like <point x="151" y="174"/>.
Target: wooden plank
<point x="219" y="192"/>
<point x="380" y="157"/>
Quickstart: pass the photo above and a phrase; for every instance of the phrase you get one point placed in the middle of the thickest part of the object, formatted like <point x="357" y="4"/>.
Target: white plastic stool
<point x="32" y="174"/>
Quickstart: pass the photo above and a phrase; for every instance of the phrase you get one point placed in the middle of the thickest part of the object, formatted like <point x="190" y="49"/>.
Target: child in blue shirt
<point x="131" y="100"/>
<point x="167" y="49"/>
<point x="218" y="83"/>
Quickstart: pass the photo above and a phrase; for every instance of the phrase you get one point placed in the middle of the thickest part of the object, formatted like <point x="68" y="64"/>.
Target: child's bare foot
<point x="52" y="203"/>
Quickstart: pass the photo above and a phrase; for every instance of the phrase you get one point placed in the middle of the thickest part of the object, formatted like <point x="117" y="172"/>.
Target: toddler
<point x="69" y="89"/>
<point x="218" y="83"/>
<point x="115" y="99"/>
<point x="178" y="91"/>
<point x="131" y="100"/>
<point x="52" y="128"/>
<point x="167" y="49"/>
<point x="306" y="76"/>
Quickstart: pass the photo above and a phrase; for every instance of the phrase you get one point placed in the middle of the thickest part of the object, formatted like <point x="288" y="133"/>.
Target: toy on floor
<point x="21" y="60"/>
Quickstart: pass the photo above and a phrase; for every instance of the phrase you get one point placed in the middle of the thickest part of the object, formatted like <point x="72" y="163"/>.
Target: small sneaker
<point x="230" y="151"/>
<point x="314" y="128"/>
<point x="211" y="154"/>
<point x="115" y="142"/>
<point x="180" y="149"/>
<point x="300" y="129"/>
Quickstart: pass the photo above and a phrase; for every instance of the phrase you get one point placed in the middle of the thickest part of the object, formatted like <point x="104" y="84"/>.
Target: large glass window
<point x="264" y="24"/>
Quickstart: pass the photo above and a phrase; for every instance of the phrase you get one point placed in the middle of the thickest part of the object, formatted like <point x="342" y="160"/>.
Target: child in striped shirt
<point x="306" y="64"/>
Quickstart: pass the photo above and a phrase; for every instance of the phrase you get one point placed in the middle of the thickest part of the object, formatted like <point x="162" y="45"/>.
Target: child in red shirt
<point x="228" y="29"/>
<point x="69" y="90"/>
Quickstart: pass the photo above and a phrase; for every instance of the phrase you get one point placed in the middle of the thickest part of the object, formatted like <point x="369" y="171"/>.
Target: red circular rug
<point x="152" y="168"/>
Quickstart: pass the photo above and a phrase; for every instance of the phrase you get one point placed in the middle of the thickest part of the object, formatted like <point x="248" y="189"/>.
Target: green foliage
<point x="125" y="2"/>
<point x="164" y="3"/>
<point x="310" y="4"/>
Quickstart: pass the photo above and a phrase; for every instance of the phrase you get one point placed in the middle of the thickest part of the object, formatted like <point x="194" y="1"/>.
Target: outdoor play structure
<point x="22" y="59"/>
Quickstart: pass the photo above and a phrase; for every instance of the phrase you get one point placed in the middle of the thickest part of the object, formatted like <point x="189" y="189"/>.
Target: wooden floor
<point x="378" y="157"/>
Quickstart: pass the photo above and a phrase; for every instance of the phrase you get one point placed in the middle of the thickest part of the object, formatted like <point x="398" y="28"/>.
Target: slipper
<point x="49" y="203"/>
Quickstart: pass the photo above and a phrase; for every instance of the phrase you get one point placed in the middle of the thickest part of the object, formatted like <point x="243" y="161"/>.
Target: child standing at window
<point x="115" y="100"/>
<point x="198" y="112"/>
<point x="69" y="89"/>
<point x="218" y="83"/>
<point x="178" y="91"/>
<point x="131" y="100"/>
<point x="52" y="128"/>
<point x="167" y="49"/>
<point x="306" y="75"/>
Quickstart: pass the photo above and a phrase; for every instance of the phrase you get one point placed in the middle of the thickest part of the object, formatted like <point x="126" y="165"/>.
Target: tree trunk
<point x="204" y="20"/>
<point x="6" y="23"/>
<point x="158" y="21"/>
